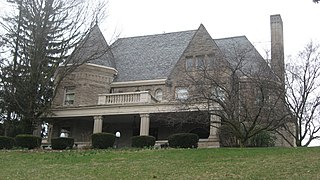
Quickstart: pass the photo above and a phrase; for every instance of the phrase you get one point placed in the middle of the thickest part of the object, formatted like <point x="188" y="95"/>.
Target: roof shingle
<point x="149" y="57"/>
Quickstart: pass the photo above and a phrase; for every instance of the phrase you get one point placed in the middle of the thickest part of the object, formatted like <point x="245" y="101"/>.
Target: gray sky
<point x="221" y="18"/>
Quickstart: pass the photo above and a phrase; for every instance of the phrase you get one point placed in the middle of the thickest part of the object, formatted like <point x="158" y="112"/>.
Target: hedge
<point x="143" y="141"/>
<point x="62" y="143"/>
<point x="6" y="142"/>
<point x="28" y="141"/>
<point x="103" y="140"/>
<point x="183" y="140"/>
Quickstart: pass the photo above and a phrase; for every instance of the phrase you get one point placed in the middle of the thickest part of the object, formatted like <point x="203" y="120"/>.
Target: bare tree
<point x="303" y="94"/>
<point x="239" y="87"/>
<point x="41" y="36"/>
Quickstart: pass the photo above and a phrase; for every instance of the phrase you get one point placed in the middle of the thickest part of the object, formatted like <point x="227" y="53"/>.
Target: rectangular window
<point x="69" y="95"/>
<point x="200" y="62"/>
<point x="182" y="93"/>
<point x="262" y="96"/>
<point x="210" y="60"/>
<point x="218" y="93"/>
<point x="189" y="63"/>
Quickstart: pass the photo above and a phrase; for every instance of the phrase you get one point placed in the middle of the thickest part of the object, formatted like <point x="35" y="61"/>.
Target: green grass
<point x="251" y="163"/>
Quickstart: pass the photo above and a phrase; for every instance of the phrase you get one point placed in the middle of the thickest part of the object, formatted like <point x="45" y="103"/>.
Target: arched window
<point x="158" y="94"/>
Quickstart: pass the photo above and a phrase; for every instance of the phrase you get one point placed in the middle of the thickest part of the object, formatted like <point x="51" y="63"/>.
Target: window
<point x="218" y="92"/>
<point x="211" y="61"/>
<point x="158" y="94"/>
<point x="69" y="95"/>
<point x="181" y="93"/>
<point x="200" y="62"/>
<point x="262" y="96"/>
<point x="189" y="63"/>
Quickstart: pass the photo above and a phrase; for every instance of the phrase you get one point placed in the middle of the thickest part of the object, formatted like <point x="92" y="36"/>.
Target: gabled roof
<point x="94" y="49"/>
<point x="154" y="56"/>
<point x="149" y="57"/>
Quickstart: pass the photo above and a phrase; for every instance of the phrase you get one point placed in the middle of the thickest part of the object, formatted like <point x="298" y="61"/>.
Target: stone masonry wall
<point x="88" y="81"/>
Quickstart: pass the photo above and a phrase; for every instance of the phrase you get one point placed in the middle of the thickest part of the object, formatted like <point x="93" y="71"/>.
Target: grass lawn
<point x="222" y="163"/>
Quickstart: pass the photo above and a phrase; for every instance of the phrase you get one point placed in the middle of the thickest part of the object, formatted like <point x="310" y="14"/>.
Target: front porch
<point x="131" y="114"/>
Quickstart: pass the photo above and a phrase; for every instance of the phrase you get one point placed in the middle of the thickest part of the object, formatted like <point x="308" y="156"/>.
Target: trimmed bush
<point x="28" y="141"/>
<point x="103" y="140"/>
<point x="183" y="140"/>
<point x="62" y="143"/>
<point x="6" y="142"/>
<point x="143" y="141"/>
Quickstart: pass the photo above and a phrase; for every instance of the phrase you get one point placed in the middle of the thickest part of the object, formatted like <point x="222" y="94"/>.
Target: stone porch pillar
<point x="97" y="126"/>
<point x="50" y="130"/>
<point x="213" y="140"/>
<point x="144" y="124"/>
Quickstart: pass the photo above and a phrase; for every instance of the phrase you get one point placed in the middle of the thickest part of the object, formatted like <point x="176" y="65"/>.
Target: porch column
<point x="144" y="124"/>
<point x="50" y="130"/>
<point x="97" y="126"/>
<point x="215" y="122"/>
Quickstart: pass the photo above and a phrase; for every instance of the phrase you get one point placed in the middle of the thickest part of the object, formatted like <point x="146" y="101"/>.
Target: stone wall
<point x="88" y="81"/>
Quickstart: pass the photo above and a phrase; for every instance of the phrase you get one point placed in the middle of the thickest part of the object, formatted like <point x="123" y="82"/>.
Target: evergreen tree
<point x="40" y="37"/>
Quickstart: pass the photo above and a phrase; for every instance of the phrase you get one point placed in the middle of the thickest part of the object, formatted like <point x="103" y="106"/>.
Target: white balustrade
<point x="126" y="98"/>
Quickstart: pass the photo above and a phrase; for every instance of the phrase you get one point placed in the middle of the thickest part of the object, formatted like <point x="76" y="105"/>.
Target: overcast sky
<point x="222" y="18"/>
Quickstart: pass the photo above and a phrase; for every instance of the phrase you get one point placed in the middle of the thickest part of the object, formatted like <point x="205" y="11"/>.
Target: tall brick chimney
<point x="277" y="50"/>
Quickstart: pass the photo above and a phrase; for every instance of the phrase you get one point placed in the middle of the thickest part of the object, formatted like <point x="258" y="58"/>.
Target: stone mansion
<point x="137" y="83"/>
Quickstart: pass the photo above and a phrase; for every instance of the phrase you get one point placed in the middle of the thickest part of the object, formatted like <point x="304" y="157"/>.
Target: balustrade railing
<point x="126" y="98"/>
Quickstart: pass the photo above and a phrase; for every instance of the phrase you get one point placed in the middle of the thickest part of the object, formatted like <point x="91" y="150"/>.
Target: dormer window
<point x="189" y="63"/>
<point x="69" y="95"/>
<point x="211" y="61"/>
<point x="200" y="62"/>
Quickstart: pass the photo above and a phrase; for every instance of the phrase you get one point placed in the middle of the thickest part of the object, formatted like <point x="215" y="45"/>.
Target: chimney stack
<point x="277" y="49"/>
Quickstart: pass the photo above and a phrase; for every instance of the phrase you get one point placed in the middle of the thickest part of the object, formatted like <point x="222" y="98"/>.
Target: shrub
<point x="143" y="141"/>
<point x="226" y="137"/>
<point x="263" y="139"/>
<point x="28" y="141"/>
<point x="6" y="142"/>
<point x="103" y="140"/>
<point x="62" y="143"/>
<point x="183" y="140"/>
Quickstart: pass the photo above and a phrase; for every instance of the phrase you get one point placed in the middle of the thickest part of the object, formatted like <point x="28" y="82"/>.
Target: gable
<point x="149" y="57"/>
<point x="201" y="45"/>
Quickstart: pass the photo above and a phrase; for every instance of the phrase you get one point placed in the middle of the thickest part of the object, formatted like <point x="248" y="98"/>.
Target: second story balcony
<point x="126" y="98"/>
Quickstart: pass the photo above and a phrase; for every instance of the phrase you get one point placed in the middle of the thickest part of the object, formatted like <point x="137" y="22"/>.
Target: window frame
<point x="156" y="94"/>
<point x="183" y="95"/>
<point x="69" y="91"/>
<point x="218" y="93"/>
<point x="189" y="63"/>
<point x="202" y="64"/>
